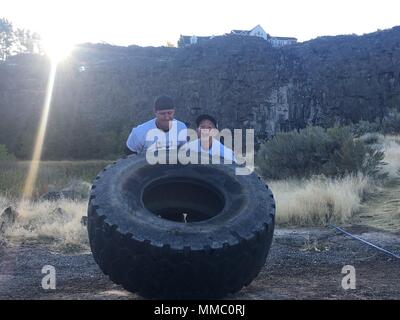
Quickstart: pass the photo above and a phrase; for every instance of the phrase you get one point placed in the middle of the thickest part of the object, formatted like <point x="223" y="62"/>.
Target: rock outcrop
<point x="7" y="219"/>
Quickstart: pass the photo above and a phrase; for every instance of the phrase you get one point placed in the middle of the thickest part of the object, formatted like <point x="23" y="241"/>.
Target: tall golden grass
<point x="319" y="200"/>
<point x="391" y="147"/>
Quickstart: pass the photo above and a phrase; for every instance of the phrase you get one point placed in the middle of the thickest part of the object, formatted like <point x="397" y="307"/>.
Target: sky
<point x="154" y="23"/>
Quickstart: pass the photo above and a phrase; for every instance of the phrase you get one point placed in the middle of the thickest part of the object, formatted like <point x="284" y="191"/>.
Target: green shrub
<point x="363" y="127"/>
<point x="313" y="151"/>
<point x="391" y="123"/>
<point x="4" y="154"/>
<point x="372" y="138"/>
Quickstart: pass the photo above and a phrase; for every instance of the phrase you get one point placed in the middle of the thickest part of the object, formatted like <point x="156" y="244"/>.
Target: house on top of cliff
<point x="257" y="31"/>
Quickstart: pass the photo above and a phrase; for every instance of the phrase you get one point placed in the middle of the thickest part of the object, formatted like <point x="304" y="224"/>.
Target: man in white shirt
<point x="161" y="132"/>
<point x="206" y="143"/>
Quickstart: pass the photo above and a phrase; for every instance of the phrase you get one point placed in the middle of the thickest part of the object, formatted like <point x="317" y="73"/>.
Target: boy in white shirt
<point x="206" y="143"/>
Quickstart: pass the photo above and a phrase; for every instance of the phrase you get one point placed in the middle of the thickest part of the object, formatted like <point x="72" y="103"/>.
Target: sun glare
<point x="58" y="52"/>
<point x="58" y="48"/>
<point x="41" y="133"/>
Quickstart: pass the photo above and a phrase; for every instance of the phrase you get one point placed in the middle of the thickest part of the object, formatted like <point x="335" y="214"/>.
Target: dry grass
<point x="57" y="221"/>
<point x="319" y="200"/>
<point x="391" y="147"/>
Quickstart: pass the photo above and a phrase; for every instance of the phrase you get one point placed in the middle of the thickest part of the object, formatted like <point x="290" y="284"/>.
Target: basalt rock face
<point x="101" y="91"/>
<point x="347" y="78"/>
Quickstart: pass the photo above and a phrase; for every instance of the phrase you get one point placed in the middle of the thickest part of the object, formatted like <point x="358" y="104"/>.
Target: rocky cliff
<point x="101" y="91"/>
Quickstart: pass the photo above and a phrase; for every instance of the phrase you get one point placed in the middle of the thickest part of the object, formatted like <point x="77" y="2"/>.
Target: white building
<point x="258" y="31"/>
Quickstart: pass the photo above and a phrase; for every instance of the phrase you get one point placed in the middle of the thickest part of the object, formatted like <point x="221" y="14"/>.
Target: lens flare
<point x="37" y="151"/>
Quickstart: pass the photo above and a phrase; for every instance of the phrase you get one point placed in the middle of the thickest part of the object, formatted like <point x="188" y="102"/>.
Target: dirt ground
<point x="302" y="264"/>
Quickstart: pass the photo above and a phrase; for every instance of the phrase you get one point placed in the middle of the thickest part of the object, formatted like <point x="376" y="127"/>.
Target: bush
<point x="4" y="154"/>
<point x="391" y="123"/>
<point x="372" y="138"/>
<point x="313" y="151"/>
<point x="363" y="127"/>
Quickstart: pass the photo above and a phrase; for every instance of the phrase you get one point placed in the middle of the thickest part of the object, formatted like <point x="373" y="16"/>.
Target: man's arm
<point x="133" y="143"/>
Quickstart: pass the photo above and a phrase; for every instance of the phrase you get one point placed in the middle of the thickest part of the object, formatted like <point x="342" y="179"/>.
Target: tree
<point x="7" y="38"/>
<point x="27" y="42"/>
<point x="14" y="41"/>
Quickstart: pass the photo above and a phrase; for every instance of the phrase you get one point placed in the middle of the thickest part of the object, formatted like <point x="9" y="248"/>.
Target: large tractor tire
<point x="179" y="231"/>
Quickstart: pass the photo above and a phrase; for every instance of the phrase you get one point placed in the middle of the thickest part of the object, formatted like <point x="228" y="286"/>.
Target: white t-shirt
<point x="217" y="149"/>
<point x="148" y="135"/>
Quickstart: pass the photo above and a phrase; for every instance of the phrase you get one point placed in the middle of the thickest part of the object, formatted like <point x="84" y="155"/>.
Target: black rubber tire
<point x="160" y="258"/>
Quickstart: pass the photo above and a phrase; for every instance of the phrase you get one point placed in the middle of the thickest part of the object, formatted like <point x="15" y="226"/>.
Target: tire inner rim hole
<point x="183" y="200"/>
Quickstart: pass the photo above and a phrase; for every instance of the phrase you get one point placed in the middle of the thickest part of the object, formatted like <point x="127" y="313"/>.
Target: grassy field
<point x="52" y="175"/>
<point x="58" y="220"/>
